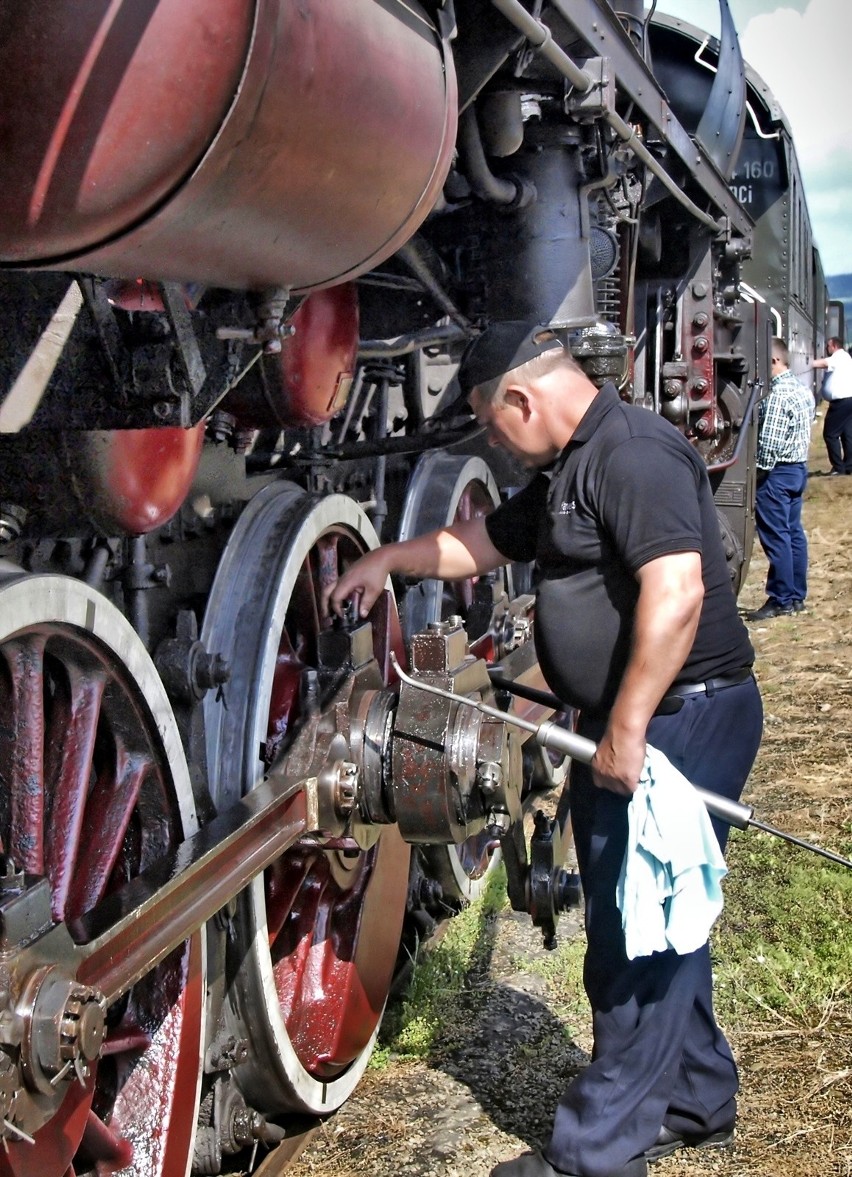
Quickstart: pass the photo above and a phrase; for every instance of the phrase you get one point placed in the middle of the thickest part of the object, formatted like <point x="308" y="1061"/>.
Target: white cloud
<point x="804" y="58"/>
<point x="803" y="51"/>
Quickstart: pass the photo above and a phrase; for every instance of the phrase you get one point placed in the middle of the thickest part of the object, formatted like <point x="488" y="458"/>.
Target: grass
<point x="441" y="979"/>
<point x="782" y="950"/>
<point x="782" y="955"/>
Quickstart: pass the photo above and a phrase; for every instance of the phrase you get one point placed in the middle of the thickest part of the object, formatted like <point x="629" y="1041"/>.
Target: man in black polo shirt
<point x="637" y="626"/>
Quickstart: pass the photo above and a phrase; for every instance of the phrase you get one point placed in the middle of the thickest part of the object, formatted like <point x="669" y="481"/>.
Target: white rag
<point x="669" y="891"/>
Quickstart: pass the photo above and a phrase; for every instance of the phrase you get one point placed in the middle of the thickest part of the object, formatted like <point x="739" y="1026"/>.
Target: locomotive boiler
<point x="242" y="248"/>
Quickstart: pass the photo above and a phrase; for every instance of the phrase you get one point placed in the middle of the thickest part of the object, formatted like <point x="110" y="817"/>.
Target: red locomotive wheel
<point x="314" y="941"/>
<point x="94" y="789"/>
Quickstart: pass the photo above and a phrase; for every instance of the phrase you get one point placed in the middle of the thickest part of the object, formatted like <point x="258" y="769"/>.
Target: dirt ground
<point x="492" y="1097"/>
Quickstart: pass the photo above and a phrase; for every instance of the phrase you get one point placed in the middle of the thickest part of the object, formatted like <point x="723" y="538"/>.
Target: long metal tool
<point x="558" y="739"/>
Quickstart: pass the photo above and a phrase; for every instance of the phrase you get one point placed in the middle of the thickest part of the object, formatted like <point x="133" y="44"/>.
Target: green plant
<point x="441" y="976"/>
<point x="782" y="949"/>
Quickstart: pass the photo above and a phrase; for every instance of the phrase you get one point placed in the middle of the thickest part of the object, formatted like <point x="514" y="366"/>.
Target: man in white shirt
<point x="837" y="390"/>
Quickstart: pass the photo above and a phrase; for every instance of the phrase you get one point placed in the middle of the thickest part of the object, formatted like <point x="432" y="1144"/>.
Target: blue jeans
<point x="778" y="508"/>
<point x="659" y="1058"/>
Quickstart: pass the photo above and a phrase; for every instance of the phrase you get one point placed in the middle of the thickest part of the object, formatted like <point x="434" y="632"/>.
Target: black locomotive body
<point x="243" y="246"/>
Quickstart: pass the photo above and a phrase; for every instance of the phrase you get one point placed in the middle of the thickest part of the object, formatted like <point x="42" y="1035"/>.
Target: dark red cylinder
<point x="122" y="482"/>
<point x="277" y="143"/>
<point x="309" y="381"/>
<point x="138" y="478"/>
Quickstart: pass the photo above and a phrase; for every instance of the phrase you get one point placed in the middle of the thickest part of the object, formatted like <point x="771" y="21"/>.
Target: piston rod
<point x="558" y="739"/>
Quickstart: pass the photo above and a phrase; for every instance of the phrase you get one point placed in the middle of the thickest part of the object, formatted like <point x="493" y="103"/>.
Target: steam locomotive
<point x="243" y="246"/>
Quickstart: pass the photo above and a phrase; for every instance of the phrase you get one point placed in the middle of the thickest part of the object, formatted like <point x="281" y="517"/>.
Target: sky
<point x="803" y="51"/>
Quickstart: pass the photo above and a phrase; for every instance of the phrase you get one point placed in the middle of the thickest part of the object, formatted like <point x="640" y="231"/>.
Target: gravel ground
<point x="490" y="1099"/>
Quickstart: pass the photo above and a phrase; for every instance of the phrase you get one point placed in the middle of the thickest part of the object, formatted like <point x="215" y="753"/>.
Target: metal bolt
<point x="211" y="670"/>
<point x="489" y="777"/>
<point x="346" y="791"/>
<point x="12" y="520"/>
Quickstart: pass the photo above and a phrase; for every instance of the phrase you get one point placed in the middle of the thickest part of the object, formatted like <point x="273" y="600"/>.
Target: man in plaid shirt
<point x="784" y="435"/>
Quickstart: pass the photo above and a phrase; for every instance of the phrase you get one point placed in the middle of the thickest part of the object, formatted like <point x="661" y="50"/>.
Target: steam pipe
<point x="483" y="182"/>
<point x="404" y="345"/>
<point x="541" y="38"/>
<point x="411" y="256"/>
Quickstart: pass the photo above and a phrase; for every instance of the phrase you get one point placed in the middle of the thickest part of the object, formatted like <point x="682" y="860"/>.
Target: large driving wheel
<point x="443" y="489"/>
<point x="449" y="488"/>
<point x="315" y="939"/>
<point x="93" y="789"/>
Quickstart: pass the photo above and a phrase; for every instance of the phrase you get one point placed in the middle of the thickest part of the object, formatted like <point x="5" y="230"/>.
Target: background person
<point x="637" y="626"/>
<point x="783" y="440"/>
<point x="837" y="390"/>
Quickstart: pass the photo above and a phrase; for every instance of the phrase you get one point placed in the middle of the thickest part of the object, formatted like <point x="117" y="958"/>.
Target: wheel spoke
<point x="102" y="1145"/>
<point x="284" y="882"/>
<point x="126" y="1039"/>
<point x="70" y="746"/>
<point x="293" y="954"/>
<point x="328" y="564"/>
<point x="26" y="760"/>
<point x="110" y="807"/>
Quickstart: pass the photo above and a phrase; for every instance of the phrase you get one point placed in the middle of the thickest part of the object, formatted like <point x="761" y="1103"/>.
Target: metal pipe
<point x="403" y="345"/>
<point x="541" y="38"/>
<point x="484" y="184"/>
<point x="411" y="256"/>
<point x="395" y="445"/>
<point x="558" y="739"/>
<point x="628" y="135"/>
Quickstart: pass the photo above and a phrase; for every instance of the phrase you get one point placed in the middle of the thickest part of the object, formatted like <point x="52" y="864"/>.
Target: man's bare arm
<point x="449" y="553"/>
<point x="671" y="593"/>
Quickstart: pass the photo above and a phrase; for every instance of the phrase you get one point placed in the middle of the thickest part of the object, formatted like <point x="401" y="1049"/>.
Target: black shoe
<point x="669" y="1141"/>
<point x="533" y="1164"/>
<point x="769" y="610"/>
<point x="799" y="607"/>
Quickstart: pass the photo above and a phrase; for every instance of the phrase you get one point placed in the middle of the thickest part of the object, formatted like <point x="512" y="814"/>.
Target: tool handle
<point x="733" y="813"/>
<point x="559" y="739"/>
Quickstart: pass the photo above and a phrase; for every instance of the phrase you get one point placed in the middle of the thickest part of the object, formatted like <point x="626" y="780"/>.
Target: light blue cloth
<point x="669" y="891"/>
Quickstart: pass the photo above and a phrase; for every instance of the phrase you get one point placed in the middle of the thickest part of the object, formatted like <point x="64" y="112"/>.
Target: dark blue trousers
<point x="778" y="510"/>
<point x="659" y="1057"/>
<point x="837" y="435"/>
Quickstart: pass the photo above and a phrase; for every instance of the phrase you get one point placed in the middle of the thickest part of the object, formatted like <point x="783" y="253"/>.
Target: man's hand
<point x="448" y="553"/>
<point x="365" y="579"/>
<point x="617" y="764"/>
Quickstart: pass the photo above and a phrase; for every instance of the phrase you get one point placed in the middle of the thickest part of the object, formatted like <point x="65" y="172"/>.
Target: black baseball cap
<point x="502" y="347"/>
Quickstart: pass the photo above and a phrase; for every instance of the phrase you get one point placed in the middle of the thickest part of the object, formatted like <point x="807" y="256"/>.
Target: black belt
<point x="671" y="704"/>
